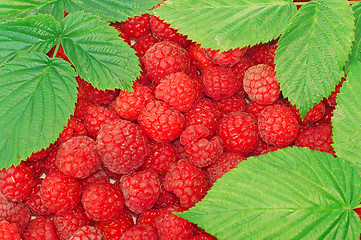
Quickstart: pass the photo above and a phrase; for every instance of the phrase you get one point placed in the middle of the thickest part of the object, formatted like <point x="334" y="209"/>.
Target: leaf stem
<point x="57" y="47"/>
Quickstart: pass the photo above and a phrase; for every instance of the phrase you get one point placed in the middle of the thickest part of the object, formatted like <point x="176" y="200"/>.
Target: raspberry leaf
<point x="37" y="97"/>
<point x="347" y="118"/>
<point x="228" y="24"/>
<point x="33" y="33"/>
<point x="98" y="54"/>
<point x="289" y="194"/>
<point x="356" y="49"/>
<point x="313" y="50"/>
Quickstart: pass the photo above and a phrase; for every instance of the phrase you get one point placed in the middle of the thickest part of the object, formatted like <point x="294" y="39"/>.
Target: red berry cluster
<point x="127" y="160"/>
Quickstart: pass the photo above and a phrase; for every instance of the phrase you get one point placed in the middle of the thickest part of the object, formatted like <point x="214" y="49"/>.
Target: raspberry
<point x="140" y="232"/>
<point x="227" y="58"/>
<point x="111" y="174"/>
<point x="261" y="85"/>
<point x="192" y="133"/>
<point x="80" y="109"/>
<point x="130" y="104"/>
<point x="60" y="193"/>
<point x="143" y="44"/>
<point x="270" y="58"/>
<point x="317" y="138"/>
<point x="241" y="67"/>
<point x="199" y="55"/>
<point x="148" y="217"/>
<point x="122" y="146"/>
<point x="204" y="112"/>
<point x="88" y="233"/>
<point x="8" y="231"/>
<point x="198" y="88"/>
<point x="33" y="200"/>
<point x="37" y="167"/>
<point x="16" y="182"/>
<point x="115" y="229"/>
<point x="137" y="27"/>
<point x="239" y="132"/>
<point x="102" y="202"/>
<point x="262" y="145"/>
<point x="313" y="115"/>
<point x="161" y="122"/>
<point x="40" y="228"/>
<point x="255" y="108"/>
<point x="74" y="128"/>
<point x="95" y="95"/>
<point x="187" y="181"/>
<point x="50" y="161"/>
<point x="40" y="154"/>
<point x="96" y="116"/>
<point x="203" y="236"/>
<point x="119" y="27"/>
<point x="328" y="115"/>
<point x="179" y="147"/>
<point x="166" y="199"/>
<point x="224" y="164"/>
<point x="162" y="31"/>
<point x="140" y="190"/>
<point x="164" y="58"/>
<point x="233" y="103"/>
<point x="68" y="223"/>
<point x="99" y="176"/>
<point x="278" y="125"/>
<point x="15" y="213"/>
<point x="160" y="158"/>
<point x="258" y="53"/>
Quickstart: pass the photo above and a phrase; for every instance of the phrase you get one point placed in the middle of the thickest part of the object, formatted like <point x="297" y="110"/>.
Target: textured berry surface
<point x="40" y="228"/>
<point x="177" y="89"/>
<point x="74" y="128"/>
<point x="95" y="95"/>
<point x="161" y="122"/>
<point x="203" y="236"/>
<point x="78" y="157"/>
<point x="261" y="85"/>
<point x="140" y="190"/>
<point x="199" y="55"/>
<point x="277" y="125"/>
<point x="33" y="200"/>
<point x="122" y="146"/>
<point x="140" y="232"/>
<point x="220" y="82"/>
<point x="239" y="132"/>
<point x="15" y="213"/>
<point x="96" y="116"/>
<point x="102" y="202"/>
<point x="164" y="58"/>
<point x="137" y="27"/>
<point x="37" y="167"/>
<point x="227" y="58"/>
<point x="99" y="176"/>
<point x="115" y="229"/>
<point x="8" y="231"/>
<point x="241" y="67"/>
<point x="233" y="103"/>
<point x="143" y="44"/>
<point x="88" y="233"/>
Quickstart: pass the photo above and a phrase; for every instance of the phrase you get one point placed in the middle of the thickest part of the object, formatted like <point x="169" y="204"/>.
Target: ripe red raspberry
<point x="258" y="53"/>
<point x="262" y="145"/>
<point x="102" y="202"/>
<point x="80" y="109"/>
<point x="88" y="233"/>
<point x="328" y="115"/>
<point x="95" y="95"/>
<point x="255" y="108"/>
<point x="277" y="125"/>
<point x="122" y="146"/>
<point x="179" y="148"/>
<point x="115" y="229"/>
<point x="142" y="45"/>
<point x="15" y="213"/>
<point x="160" y="158"/>
<point x="204" y="112"/>
<point x="8" y="231"/>
<point x="234" y="103"/>
<point x="40" y="154"/>
<point x="270" y="58"/>
<point x="261" y="85"/>
<point x="16" y="182"/>
<point x="198" y="88"/>
<point x="241" y="67"/>
<point x="37" y="167"/>
<point x="317" y="138"/>
<point x="226" y="58"/>
<point x="140" y="232"/>
<point x="224" y="164"/>
<point x="137" y="26"/>
<point x="140" y="190"/>
<point x="50" y="161"/>
<point x="161" y="122"/>
<point x="220" y="82"/>
<point x="199" y="55"/>
<point x="119" y="27"/>
<point x="165" y="199"/>
<point x="177" y="89"/>
<point x="239" y="132"/>
<point x="99" y="176"/>
<point x="187" y="181"/>
<point x="192" y="133"/>
<point x="96" y="116"/>
<point x="33" y="200"/>
<point x="162" y="31"/>
<point x="60" y="193"/>
<point x="66" y="224"/>
<point x="164" y="58"/>
<point x="111" y="174"/>
<point x="203" y="236"/>
<point x="74" y="128"/>
<point x="313" y="115"/>
<point x="148" y="217"/>
<point x="130" y="104"/>
<point x="40" y="228"/>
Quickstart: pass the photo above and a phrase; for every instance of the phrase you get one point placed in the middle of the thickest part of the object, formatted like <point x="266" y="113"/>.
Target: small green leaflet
<point x="294" y="193"/>
<point x="37" y="97"/>
<point x="228" y="24"/>
<point x="346" y="121"/>
<point x="356" y="49"/>
<point x="35" y="33"/>
<point x="313" y="51"/>
<point x="98" y="54"/>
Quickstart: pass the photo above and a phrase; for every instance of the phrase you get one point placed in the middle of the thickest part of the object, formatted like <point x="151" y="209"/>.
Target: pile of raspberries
<point x="127" y="160"/>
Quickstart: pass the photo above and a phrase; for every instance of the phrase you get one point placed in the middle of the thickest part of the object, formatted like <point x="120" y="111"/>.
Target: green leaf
<point x="113" y="10"/>
<point x="98" y="54"/>
<point x="11" y="9"/>
<point x="34" y="33"/>
<point x="294" y="193"/>
<point x="228" y="24"/>
<point x="356" y="49"/>
<point x="347" y="118"/>
<point x="37" y="97"/>
<point x="313" y="51"/>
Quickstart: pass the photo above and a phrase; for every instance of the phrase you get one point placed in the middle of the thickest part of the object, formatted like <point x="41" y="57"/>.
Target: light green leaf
<point x="34" y="33"/>
<point x="228" y="24"/>
<point x="313" y="51"/>
<point x="347" y="118"/>
<point x="113" y="10"/>
<point x="37" y="97"/>
<point x="356" y="49"/>
<point x="98" y="54"/>
<point x="294" y="193"/>
<point x="11" y="9"/>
